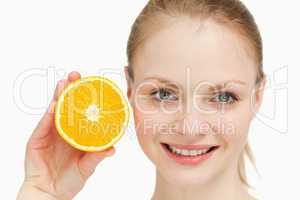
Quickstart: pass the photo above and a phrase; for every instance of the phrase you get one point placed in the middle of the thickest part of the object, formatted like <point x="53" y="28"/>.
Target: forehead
<point x="199" y="51"/>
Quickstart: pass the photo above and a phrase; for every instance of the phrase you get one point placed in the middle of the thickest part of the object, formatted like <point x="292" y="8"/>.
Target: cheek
<point x="144" y="126"/>
<point x="234" y="126"/>
<point x="151" y="123"/>
<point x="150" y="128"/>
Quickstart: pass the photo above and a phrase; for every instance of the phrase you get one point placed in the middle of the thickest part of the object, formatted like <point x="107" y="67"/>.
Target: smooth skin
<point x="53" y="169"/>
<point x="186" y="58"/>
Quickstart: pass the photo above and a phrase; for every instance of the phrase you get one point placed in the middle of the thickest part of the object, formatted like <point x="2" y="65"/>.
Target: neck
<point x="226" y="186"/>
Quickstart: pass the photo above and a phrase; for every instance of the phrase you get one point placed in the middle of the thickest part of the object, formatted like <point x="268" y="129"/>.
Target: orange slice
<point x="92" y="114"/>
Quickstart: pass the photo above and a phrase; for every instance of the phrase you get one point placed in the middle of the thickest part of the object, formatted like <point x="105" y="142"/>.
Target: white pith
<point x="92" y="113"/>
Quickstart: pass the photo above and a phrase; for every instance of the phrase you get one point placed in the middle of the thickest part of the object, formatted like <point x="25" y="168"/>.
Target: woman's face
<point x="193" y="94"/>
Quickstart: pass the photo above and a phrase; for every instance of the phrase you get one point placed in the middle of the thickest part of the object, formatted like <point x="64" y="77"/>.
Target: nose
<point x="192" y="123"/>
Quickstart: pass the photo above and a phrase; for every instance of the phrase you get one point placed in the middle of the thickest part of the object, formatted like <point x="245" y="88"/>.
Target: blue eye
<point x="164" y="95"/>
<point x="225" y="98"/>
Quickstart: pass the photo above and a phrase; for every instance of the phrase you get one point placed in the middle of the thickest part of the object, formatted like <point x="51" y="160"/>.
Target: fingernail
<point x="109" y="154"/>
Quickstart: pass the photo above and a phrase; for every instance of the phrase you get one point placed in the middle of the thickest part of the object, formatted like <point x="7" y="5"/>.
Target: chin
<point x="188" y="177"/>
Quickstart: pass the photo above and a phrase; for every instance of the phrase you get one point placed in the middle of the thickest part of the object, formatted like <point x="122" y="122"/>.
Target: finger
<point x="45" y="124"/>
<point x="73" y="76"/>
<point x="89" y="161"/>
<point x="60" y="86"/>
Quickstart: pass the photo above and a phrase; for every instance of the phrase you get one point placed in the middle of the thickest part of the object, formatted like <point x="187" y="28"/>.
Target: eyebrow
<point x="217" y="85"/>
<point x="166" y="82"/>
<point x="226" y="83"/>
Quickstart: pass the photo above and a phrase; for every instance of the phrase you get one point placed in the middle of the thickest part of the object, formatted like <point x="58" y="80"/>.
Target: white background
<point x="53" y="37"/>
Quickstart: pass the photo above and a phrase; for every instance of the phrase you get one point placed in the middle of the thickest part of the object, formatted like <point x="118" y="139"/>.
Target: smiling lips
<point x="189" y="154"/>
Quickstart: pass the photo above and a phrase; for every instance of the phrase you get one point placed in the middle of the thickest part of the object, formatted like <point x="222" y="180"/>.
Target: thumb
<point x="89" y="161"/>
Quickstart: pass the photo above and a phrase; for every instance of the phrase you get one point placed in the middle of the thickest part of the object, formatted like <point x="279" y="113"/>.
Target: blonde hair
<point x="233" y="13"/>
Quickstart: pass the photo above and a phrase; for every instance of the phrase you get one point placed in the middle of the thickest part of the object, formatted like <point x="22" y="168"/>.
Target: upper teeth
<point x="186" y="152"/>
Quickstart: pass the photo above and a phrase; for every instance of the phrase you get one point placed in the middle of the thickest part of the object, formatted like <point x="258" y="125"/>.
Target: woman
<point x="195" y="81"/>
